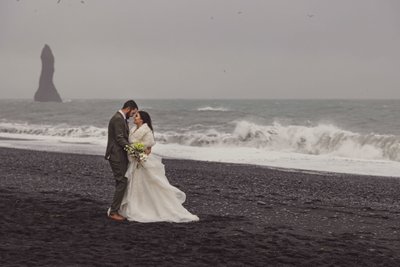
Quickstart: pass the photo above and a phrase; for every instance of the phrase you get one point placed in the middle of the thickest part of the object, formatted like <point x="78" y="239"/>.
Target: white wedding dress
<point x="149" y="196"/>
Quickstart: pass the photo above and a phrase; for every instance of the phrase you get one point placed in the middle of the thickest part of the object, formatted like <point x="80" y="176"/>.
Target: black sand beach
<point x="54" y="214"/>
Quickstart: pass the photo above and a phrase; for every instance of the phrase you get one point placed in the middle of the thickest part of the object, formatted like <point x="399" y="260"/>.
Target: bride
<point x="149" y="196"/>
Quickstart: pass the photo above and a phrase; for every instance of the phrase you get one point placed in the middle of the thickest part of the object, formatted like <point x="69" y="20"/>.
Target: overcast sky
<point x="203" y="48"/>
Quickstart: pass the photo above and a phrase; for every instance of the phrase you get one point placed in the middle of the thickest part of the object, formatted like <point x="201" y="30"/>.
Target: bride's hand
<point x="148" y="151"/>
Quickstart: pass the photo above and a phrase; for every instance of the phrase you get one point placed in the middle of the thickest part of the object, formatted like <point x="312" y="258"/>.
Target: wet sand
<point x="54" y="214"/>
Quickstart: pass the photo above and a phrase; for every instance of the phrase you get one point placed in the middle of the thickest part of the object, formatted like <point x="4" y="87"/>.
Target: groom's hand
<point x="148" y="151"/>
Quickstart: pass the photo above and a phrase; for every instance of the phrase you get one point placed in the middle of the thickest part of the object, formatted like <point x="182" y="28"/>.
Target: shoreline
<point x="80" y="149"/>
<point x="54" y="214"/>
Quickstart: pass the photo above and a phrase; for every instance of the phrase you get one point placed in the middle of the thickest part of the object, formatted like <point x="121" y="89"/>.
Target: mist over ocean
<point x="356" y="136"/>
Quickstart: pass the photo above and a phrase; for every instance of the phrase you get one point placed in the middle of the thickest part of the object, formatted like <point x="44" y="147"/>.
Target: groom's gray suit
<point x="118" y="132"/>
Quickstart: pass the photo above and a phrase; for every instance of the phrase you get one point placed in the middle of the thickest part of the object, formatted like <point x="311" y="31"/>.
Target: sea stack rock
<point x="47" y="92"/>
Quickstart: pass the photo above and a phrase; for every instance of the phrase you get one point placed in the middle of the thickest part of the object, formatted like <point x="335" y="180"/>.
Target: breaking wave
<point x="317" y="140"/>
<point x="321" y="139"/>
<point x="212" y="109"/>
<point x="62" y="130"/>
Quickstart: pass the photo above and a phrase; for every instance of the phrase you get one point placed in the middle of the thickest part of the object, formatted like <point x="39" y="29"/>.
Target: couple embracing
<point x="142" y="191"/>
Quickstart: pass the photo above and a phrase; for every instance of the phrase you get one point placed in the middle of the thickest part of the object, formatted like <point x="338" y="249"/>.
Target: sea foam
<point x="321" y="139"/>
<point x="316" y="140"/>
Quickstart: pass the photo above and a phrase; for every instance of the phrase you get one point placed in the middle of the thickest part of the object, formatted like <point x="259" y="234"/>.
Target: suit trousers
<point x="121" y="182"/>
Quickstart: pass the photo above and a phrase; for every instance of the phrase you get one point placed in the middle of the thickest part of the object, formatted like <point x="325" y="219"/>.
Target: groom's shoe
<point x="116" y="217"/>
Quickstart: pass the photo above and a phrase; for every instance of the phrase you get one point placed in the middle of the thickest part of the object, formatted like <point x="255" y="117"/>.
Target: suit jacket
<point x="118" y="132"/>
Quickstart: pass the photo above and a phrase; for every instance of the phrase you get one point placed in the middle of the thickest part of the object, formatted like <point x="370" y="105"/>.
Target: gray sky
<point x="203" y="48"/>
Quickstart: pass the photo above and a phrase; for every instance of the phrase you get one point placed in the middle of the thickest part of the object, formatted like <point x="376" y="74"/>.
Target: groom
<point x="118" y="132"/>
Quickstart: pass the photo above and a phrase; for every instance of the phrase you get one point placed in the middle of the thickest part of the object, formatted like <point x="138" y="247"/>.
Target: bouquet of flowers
<point x="137" y="152"/>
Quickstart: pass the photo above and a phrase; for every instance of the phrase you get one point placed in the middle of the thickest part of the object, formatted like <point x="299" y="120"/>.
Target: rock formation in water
<point x="47" y="92"/>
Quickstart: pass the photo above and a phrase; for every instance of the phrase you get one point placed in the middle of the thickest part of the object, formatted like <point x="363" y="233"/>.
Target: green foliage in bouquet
<point x="135" y="148"/>
<point x="136" y="151"/>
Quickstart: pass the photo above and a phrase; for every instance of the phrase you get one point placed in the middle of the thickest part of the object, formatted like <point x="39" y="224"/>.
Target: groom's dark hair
<point x="130" y="104"/>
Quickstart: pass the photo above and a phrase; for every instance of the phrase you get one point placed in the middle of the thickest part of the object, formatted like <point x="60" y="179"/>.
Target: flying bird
<point x="310" y="15"/>
<point x="60" y="1"/>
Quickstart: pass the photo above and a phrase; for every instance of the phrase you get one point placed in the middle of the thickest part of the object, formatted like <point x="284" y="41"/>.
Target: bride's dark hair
<point x="146" y="118"/>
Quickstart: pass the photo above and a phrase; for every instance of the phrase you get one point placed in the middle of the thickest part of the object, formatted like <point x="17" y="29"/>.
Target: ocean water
<point x="350" y="136"/>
